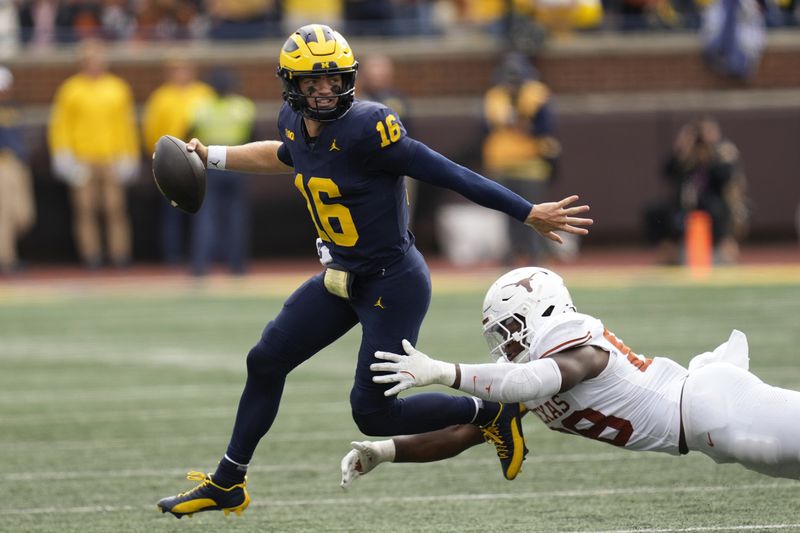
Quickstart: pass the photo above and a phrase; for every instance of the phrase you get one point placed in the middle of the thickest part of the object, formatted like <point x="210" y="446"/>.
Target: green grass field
<point x="108" y="397"/>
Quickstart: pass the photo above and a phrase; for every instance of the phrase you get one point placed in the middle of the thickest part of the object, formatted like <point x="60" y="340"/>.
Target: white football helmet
<point x="515" y="308"/>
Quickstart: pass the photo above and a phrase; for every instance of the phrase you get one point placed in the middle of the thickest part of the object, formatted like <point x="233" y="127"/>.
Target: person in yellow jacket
<point x="220" y="229"/>
<point x="520" y="149"/>
<point x="94" y="148"/>
<point x="169" y="110"/>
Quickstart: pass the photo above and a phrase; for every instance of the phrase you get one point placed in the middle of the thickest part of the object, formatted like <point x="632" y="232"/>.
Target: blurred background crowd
<point x="47" y="23"/>
<point x="650" y="109"/>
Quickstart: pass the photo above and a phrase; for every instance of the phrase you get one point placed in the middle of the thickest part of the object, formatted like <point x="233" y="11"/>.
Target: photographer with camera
<point x="703" y="172"/>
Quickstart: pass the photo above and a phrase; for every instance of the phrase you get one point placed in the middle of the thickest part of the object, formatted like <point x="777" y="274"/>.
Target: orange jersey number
<point x="642" y="363"/>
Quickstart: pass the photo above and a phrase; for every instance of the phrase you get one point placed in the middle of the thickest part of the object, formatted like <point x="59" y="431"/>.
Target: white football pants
<point x="732" y="416"/>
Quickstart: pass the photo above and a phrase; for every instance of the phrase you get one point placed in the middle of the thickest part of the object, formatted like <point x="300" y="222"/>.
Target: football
<point x="179" y="174"/>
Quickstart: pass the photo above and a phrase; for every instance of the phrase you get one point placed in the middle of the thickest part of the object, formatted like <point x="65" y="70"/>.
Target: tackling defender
<point x="348" y="158"/>
<point x="579" y="378"/>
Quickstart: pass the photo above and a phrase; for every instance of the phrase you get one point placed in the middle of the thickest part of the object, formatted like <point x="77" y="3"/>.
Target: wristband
<point x="217" y="156"/>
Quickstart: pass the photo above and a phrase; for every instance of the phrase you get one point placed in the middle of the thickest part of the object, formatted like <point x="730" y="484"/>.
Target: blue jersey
<point x="351" y="177"/>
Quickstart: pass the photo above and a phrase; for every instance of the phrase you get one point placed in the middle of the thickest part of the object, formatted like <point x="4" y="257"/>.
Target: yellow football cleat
<point x="207" y="496"/>
<point x="505" y="432"/>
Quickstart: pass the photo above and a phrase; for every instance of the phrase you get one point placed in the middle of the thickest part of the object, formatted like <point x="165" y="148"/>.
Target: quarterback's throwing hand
<point x="194" y="145"/>
<point x="413" y="370"/>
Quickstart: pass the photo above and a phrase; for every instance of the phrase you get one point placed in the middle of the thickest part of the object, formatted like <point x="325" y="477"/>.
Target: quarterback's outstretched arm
<point x="415" y="159"/>
<point x="501" y="382"/>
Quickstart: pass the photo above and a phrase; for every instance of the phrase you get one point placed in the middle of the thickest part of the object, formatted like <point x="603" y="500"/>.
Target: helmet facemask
<point x="517" y="307"/>
<point x="507" y="338"/>
<point x="299" y="102"/>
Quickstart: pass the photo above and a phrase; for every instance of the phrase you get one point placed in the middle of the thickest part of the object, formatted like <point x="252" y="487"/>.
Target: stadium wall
<point x="620" y="100"/>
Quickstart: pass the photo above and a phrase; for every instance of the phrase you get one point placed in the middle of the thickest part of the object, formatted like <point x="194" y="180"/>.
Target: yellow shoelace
<point x="194" y="475"/>
<point x="491" y="434"/>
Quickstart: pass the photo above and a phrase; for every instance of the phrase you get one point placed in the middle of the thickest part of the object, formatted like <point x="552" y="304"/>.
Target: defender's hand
<point x="195" y="145"/>
<point x="549" y="217"/>
<point x="359" y="461"/>
<point x="413" y="370"/>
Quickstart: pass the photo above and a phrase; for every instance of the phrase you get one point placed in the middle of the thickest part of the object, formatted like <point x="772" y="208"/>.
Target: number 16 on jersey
<point x="333" y="221"/>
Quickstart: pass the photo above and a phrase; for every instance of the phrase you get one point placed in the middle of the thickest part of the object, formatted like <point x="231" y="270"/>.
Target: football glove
<point x="413" y="370"/>
<point x="364" y="457"/>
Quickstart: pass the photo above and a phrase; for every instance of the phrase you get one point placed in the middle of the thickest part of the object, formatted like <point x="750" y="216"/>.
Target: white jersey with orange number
<point x="634" y="403"/>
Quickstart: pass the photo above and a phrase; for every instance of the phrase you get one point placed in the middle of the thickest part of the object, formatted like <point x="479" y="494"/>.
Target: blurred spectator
<point x="44" y="22"/>
<point x="512" y="21"/>
<point x="733" y="37"/>
<point x="94" y="149"/>
<point x="38" y="22"/>
<point x="787" y="13"/>
<point x="634" y="14"/>
<point x="221" y="227"/>
<point x="298" y="12"/>
<point x="244" y="19"/>
<point x="169" y="110"/>
<point x="416" y="17"/>
<point x="9" y="29"/>
<point x="520" y="149"/>
<point x="376" y="78"/>
<point x="118" y="20"/>
<point x="562" y="17"/>
<point x="17" y="209"/>
<point x="77" y="20"/>
<point x="704" y="173"/>
<point x="487" y="14"/>
<point x="169" y="19"/>
<point x="369" y="17"/>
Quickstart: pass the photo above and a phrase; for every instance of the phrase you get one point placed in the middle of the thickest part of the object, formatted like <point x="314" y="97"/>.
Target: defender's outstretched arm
<point x="422" y="448"/>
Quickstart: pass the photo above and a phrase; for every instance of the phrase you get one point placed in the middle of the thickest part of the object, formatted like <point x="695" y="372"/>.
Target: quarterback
<point x="579" y="378"/>
<point x="348" y="159"/>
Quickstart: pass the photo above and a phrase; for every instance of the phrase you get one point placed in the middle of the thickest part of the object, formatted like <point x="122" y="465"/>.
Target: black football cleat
<point x="207" y="496"/>
<point x="505" y="432"/>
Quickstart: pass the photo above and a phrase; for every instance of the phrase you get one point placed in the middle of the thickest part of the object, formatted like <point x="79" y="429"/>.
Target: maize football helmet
<point x="317" y="50"/>
<point x="515" y="308"/>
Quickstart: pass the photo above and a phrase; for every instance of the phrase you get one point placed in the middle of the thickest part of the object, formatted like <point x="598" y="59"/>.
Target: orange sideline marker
<point x="698" y="243"/>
